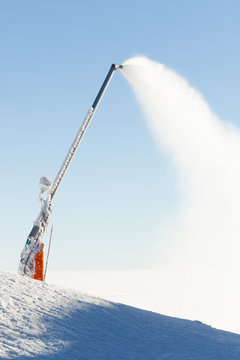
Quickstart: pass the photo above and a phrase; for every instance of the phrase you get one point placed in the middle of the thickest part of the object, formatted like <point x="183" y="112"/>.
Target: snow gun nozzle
<point x="118" y="67"/>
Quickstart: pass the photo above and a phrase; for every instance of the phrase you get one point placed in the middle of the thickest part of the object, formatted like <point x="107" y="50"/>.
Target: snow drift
<point x="43" y="321"/>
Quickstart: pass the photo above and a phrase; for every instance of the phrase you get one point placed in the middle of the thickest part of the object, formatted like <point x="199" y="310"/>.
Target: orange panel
<point x="39" y="266"/>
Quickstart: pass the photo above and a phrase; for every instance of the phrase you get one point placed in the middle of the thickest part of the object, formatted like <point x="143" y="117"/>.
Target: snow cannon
<point x="32" y="255"/>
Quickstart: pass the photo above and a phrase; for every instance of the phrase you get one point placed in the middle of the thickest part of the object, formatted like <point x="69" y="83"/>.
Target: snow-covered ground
<point x="211" y="296"/>
<point x="43" y="321"/>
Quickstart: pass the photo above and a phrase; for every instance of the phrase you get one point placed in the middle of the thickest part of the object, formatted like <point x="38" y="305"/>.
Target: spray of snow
<point x="206" y="152"/>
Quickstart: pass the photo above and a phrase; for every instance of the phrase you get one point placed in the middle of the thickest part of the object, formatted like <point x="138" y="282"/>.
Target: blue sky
<point x="119" y="188"/>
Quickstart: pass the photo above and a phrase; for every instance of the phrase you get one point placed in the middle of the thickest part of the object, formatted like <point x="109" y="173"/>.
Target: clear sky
<point x="119" y="188"/>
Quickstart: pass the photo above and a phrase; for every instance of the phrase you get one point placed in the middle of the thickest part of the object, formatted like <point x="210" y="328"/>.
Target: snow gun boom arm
<point x="82" y="131"/>
<point x="31" y="262"/>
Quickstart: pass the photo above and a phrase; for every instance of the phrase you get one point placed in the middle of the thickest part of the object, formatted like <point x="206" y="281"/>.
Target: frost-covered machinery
<point x="32" y="255"/>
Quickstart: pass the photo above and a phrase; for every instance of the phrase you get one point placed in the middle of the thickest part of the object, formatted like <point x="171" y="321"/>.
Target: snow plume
<point x="206" y="152"/>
